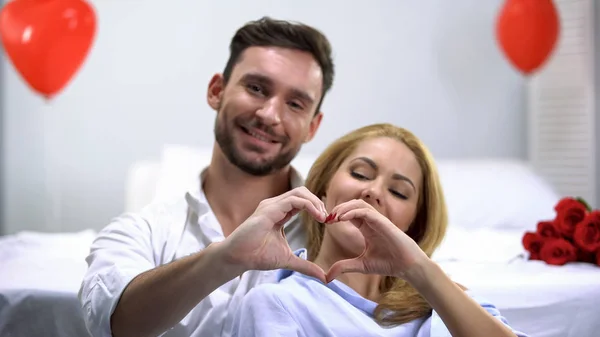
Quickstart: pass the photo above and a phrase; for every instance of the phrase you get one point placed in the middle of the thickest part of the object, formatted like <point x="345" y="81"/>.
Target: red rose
<point x="547" y="229"/>
<point x="558" y="252"/>
<point x="587" y="257"/>
<point x="567" y="202"/>
<point x="563" y="203"/>
<point x="569" y="212"/>
<point x="587" y="232"/>
<point x="533" y="242"/>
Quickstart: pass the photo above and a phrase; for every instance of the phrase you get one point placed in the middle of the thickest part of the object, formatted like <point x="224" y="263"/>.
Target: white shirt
<point x="161" y="233"/>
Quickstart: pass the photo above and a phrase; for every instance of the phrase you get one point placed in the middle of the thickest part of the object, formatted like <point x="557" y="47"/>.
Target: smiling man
<point x="268" y="140"/>
<point x="163" y="271"/>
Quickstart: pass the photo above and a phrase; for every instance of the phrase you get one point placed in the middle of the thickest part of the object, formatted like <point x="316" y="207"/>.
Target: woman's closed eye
<point x="358" y="175"/>
<point x="395" y="193"/>
<point x="398" y="194"/>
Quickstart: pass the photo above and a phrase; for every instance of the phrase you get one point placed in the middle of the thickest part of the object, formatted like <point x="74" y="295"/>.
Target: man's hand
<point x="260" y="244"/>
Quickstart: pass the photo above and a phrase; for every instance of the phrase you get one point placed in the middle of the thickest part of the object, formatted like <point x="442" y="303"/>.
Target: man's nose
<point x="270" y="113"/>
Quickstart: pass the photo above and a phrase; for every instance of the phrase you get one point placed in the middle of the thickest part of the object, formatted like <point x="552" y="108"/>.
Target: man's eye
<point x="254" y="87"/>
<point x="295" y="105"/>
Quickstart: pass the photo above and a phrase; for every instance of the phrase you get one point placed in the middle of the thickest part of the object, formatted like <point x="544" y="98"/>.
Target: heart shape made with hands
<point x="260" y="243"/>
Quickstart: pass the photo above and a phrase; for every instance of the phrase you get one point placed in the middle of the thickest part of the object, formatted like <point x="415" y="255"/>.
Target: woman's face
<point x="386" y="174"/>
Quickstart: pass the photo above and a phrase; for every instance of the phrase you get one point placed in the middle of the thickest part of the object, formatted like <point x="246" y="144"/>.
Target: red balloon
<point x="47" y="40"/>
<point x="527" y="31"/>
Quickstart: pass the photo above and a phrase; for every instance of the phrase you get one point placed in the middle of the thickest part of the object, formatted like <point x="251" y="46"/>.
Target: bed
<point x="540" y="299"/>
<point x="491" y="203"/>
<point x="39" y="280"/>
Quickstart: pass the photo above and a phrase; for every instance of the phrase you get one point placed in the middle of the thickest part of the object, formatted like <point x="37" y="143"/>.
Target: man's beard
<point x="225" y="139"/>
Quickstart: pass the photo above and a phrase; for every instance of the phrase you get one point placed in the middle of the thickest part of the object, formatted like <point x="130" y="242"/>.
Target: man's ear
<point x="315" y="122"/>
<point x="216" y="88"/>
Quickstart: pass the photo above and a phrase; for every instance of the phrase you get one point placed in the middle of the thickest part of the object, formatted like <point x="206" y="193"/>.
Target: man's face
<point x="267" y="109"/>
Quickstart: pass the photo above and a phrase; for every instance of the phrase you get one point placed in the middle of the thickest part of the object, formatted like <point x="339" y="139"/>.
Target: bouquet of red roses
<point x="573" y="235"/>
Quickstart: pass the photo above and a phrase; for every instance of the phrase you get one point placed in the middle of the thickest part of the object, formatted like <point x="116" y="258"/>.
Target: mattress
<point x="538" y="299"/>
<point x="41" y="275"/>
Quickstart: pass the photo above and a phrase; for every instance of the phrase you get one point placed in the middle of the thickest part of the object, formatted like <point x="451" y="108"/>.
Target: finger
<point x="348" y="206"/>
<point x="302" y="191"/>
<point x="298" y="203"/>
<point x="305" y="267"/>
<point x="287" y="217"/>
<point x="365" y="215"/>
<point x="345" y="266"/>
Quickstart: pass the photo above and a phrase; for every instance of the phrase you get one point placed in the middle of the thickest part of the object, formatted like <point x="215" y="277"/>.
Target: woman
<point x="387" y="215"/>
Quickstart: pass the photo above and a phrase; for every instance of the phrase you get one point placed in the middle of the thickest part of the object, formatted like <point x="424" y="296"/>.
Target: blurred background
<point x="433" y="67"/>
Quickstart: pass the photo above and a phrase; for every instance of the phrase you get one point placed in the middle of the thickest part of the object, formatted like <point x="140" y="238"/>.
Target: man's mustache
<point x="257" y="124"/>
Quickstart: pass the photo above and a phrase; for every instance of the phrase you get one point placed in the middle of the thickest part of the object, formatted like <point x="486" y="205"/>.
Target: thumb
<point x="344" y="266"/>
<point x="305" y="267"/>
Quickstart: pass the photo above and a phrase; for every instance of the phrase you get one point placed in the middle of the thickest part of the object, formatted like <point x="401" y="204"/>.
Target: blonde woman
<point x="387" y="215"/>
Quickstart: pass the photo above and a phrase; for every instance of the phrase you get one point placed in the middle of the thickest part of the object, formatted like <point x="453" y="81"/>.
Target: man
<point x="179" y="268"/>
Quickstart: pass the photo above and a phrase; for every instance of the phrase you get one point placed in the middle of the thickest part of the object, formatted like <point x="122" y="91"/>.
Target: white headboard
<point x="562" y="112"/>
<point x="486" y="193"/>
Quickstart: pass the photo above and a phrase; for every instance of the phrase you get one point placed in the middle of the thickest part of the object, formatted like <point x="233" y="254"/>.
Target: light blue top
<point x="302" y="306"/>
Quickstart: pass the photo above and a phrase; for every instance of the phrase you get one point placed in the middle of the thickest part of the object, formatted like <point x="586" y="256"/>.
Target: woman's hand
<point x="259" y="243"/>
<point x="388" y="250"/>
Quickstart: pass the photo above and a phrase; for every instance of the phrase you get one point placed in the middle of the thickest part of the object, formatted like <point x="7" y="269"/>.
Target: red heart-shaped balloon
<point x="47" y="40"/>
<point x="527" y="31"/>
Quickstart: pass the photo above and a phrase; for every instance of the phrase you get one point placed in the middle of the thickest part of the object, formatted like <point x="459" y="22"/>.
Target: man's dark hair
<point x="268" y="32"/>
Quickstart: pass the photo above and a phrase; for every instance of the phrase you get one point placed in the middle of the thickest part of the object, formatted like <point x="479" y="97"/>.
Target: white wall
<point x="597" y="84"/>
<point x="2" y="134"/>
<point x="431" y="66"/>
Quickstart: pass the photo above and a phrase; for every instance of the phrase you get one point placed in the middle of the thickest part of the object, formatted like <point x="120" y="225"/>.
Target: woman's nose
<point x="372" y="196"/>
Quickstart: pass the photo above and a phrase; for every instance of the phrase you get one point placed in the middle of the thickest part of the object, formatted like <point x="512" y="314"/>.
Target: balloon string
<point x="53" y="206"/>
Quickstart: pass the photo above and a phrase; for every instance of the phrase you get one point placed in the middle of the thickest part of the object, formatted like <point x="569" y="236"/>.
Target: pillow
<point x="180" y="169"/>
<point x="479" y="245"/>
<point x="140" y="185"/>
<point x="503" y="194"/>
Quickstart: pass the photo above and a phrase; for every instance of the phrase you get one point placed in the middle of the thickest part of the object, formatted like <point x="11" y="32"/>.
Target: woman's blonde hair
<point x="400" y="302"/>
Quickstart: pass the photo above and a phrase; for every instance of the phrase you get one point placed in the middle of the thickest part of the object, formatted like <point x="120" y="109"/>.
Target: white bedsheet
<point x="537" y="298"/>
<point x="40" y="278"/>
